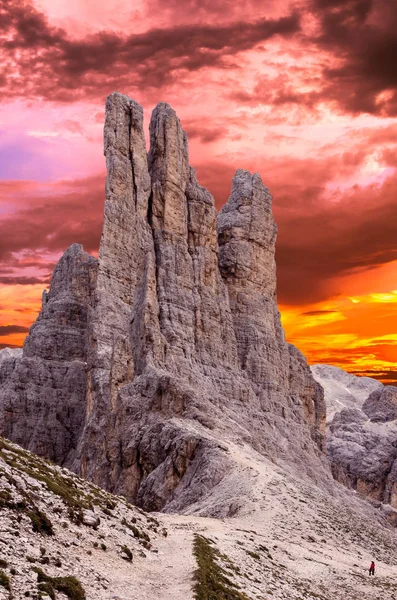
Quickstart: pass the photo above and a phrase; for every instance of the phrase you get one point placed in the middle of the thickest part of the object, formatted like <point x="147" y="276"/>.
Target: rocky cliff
<point x="142" y="360"/>
<point x="7" y="353"/>
<point x="362" y="435"/>
<point x="343" y="390"/>
<point x="62" y="537"/>
<point x="42" y="392"/>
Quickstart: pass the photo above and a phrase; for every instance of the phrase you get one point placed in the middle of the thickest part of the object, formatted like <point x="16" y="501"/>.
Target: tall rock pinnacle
<point x="121" y="252"/>
<point x="42" y="394"/>
<point x="169" y="170"/>
<point x="247" y="238"/>
<point x="183" y="342"/>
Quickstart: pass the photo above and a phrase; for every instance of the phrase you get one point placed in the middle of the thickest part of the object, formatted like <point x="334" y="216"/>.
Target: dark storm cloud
<point x="363" y="34"/>
<point x="387" y="377"/>
<point x="204" y="133"/>
<point x="40" y="60"/>
<point x="8" y="329"/>
<point x="52" y="226"/>
<point x="357" y="42"/>
<point x="315" y="251"/>
<point x="278" y="92"/>
<point x="199" y="10"/>
<point x="358" y="36"/>
<point x="22" y="280"/>
<point x="10" y="263"/>
<point x="310" y="268"/>
<point x="320" y="241"/>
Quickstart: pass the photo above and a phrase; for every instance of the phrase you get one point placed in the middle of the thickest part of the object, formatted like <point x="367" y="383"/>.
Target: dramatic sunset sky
<point x="305" y="92"/>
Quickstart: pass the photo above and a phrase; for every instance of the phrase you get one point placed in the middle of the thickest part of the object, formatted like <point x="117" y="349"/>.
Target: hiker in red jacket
<point x="372" y="568"/>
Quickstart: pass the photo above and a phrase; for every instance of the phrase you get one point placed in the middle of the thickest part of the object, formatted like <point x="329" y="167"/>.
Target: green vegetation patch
<point x="127" y="553"/>
<point x="7" y="502"/>
<point x="254" y="555"/>
<point x="63" y="486"/>
<point x="5" y="581"/>
<point x="46" y="588"/>
<point x="211" y="578"/>
<point x="138" y="533"/>
<point x="40" y="522"/>
<point x="70" y="586"/>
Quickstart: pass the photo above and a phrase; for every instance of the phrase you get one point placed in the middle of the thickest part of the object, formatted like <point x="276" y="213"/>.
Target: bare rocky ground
<point x="361" y="435"/>
<point x="286" y="539"/>
<point x="343" y="390"/>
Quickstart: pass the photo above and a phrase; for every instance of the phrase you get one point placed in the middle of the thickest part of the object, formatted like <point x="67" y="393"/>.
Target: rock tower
<point x="140" y="361"/>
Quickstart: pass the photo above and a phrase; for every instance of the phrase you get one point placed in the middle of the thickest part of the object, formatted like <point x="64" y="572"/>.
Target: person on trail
<point x="372" y="568"/>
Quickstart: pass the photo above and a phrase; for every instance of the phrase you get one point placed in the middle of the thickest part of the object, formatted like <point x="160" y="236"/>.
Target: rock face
<point x="179" y="326"/>
<point x="381" y="405"/>
<point x="362" y="435"/>
<point x="42" y="393"/>
<point x="7" y="353"/>
<point x="343" y="390"/>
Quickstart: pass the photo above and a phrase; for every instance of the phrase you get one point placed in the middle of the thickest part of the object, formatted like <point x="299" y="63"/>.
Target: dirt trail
<point x="165" y="574"/>
<point x="284" y="538"/>
<point x="288" y="540"/>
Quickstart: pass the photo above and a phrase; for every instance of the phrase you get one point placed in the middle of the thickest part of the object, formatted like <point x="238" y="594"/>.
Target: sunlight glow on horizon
<point x="258" y="89"/>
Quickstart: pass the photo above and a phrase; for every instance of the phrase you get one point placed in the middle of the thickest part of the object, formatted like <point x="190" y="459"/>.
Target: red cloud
<point x="354" y="44"/>
<point x="8" y="329"/>
<point x="45" y="61"/>
<point x="363" y="34"/>
<point x="21" y="280"/>
<point x="70" y="213"/>
<point x="354" y="69"/>
<point x="320" y="239"/>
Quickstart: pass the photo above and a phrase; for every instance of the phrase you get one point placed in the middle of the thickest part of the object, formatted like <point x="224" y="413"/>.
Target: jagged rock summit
<point x="7" y="353"/>
<point x="362" y="435"/>
<point x="142" y="361"/>
<point x="343" y="390"/>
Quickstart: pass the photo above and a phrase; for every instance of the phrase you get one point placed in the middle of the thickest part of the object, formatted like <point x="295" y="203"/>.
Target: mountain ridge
<point x="361" y="435"/>
<point x="142" y="358"/>
<point x="160" y="371"/>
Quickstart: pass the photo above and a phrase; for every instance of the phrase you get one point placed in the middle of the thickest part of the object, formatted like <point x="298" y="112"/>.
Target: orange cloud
<point x="358" y="334"/>
<point x="19" y="307"/>
<point x="260" y="91"/>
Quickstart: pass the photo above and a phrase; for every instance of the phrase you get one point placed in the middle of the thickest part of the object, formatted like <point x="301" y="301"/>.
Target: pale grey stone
<point x="42" y="392"/>
<point x="9" y="353"/>
<point x="342" y="389"/>
<point x="91" y="519"/>
<point x="171" y="341"/>
<point x="362" y="435"/>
